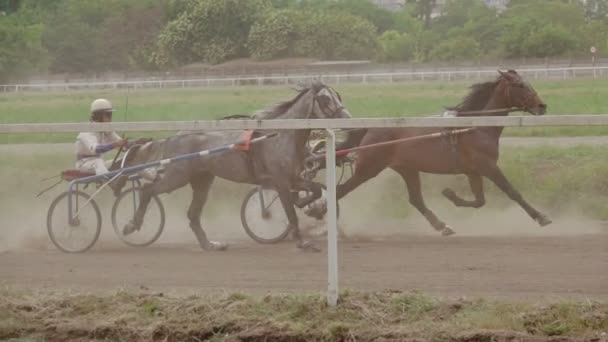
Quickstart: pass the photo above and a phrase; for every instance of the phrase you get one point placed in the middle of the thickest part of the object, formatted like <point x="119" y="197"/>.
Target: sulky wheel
<point x="82" y="232"/>
<point x="123" y="211"/>
<point x="265" y="221"/>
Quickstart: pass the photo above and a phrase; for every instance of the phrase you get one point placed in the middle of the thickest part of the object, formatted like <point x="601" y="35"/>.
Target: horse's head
<point x="520" y="93"/>
<point x="315" y="101"/>
<point x="327" y="103"/>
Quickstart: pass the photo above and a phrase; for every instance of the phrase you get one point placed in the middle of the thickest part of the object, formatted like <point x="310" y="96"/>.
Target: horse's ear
<point x="509" y="76"/>
<point x="317" y="85"/>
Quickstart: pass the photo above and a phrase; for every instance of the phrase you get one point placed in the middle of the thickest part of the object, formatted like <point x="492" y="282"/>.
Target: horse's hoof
<point x="447" y="231"/>
<point x="216" y="246"/>
<point x="129" y="229"/>
<point x="317" y="210"/>
<point x="543" y="220"/>
<point x="308" y="246"/>
<point x="321" y="234"/>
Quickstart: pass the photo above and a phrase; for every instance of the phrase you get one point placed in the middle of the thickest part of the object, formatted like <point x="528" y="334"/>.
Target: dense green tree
<point x="20" y="49"/>
<point x="542" y="28"/>
<point x="9" y="6"/>
<point x="394" y="46"/>
<point x="209" y="31"/>
<point x="334" y="35"/>
<point x="423" y="9"/>
<point x="273" y="35"/>
<point x="596" y="9"/>
<point x="99" y="35"/>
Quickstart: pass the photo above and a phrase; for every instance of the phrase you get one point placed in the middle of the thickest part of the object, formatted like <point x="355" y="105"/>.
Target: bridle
<point x="524" y="103"/>
<point x="324" y="109"/>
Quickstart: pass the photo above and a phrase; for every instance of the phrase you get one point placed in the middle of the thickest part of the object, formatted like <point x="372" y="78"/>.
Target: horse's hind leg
<point x="495" y="175"/>
<point x="200" y="191"/>
<point x="168" y="183"/>
<point x="412" y="180"/>
<point x="365" y="169"/>
<point x="476" y="183"/>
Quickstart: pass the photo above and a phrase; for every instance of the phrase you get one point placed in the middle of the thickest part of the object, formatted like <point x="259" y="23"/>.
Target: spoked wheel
<point x="79" y="234"/>
<point x="123" y="211"/>
<point x="265" y="221"/>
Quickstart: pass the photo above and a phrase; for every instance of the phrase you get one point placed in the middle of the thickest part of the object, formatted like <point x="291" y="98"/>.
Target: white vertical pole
<point x="332" y="229"/>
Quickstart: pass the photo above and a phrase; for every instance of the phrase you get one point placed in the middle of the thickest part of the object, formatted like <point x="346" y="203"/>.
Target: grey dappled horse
<point x="275" y="162"/>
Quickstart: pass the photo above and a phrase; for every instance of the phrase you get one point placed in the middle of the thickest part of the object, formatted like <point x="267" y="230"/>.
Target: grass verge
<point x="371" y="100"/>
<point x="123" y="316"/>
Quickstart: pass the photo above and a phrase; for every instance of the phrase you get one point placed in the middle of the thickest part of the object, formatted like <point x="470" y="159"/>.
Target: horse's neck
<point x="300" y="110"/>
<point x="496" y="102"/>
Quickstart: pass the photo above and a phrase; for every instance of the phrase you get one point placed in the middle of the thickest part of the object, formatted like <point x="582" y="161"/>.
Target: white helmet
<point x="101" y="105"/>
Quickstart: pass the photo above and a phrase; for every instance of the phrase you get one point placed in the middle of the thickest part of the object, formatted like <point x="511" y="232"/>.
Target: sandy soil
<point x="524" y="267"/>
<point x="496" y="253"/>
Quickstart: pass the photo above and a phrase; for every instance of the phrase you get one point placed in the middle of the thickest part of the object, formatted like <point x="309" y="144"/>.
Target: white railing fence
<point x="332" y="243"/>
<point x="565" y="73"/>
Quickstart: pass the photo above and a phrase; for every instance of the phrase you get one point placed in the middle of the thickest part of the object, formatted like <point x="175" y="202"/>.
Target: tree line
<point x="78" y="36"/>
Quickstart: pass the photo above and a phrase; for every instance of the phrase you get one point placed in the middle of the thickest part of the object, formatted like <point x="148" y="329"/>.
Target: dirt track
<point x="505" y="267"/>
<point x="500" y="254"/>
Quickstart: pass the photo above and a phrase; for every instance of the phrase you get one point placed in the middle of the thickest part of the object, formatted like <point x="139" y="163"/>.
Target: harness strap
<point x="450" y="140"/>
<point x="250" y="154"/>
<point x="245" y="141"/>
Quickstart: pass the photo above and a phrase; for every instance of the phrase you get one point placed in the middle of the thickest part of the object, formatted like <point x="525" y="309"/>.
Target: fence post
<point x="332" y="229"/>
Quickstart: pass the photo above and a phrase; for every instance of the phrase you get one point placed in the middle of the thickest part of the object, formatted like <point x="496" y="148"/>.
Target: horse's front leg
<point x="315" y="189"/>
<point x="494" y="173"/>
<point x="476" y="183"/>
<point x="319" y="209"/>
<point x="171" y="181"/>
<point x="292" y="217"/>
<point x="412" y="181"/>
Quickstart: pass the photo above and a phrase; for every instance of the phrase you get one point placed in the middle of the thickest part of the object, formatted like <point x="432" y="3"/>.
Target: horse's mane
<point x="479" y="95"/>
<point x="236" y="116"/>
<point x="280" y="108"/>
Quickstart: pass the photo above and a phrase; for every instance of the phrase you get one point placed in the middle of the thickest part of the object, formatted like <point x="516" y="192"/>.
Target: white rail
<point x="508" y="121"/>
<point x="396" y="77"/>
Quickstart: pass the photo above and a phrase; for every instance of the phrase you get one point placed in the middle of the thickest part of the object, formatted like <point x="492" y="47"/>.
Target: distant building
<point x="391" y="5"/>
<point x="500" y="5"/>
<point x="395" y="5"/>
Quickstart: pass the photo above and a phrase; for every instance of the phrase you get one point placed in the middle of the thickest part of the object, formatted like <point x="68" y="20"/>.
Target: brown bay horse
<point x="474" y="154"/>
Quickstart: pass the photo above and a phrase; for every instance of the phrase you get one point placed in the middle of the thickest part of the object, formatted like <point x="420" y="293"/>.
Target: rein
<point x="488" y="111"/>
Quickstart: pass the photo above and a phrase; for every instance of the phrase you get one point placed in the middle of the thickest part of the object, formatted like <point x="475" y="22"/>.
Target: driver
<point x="91" y="145"/>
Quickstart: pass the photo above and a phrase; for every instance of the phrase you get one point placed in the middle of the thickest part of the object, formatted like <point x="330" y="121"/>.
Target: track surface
<point x="503" y="267"/>
<point x="507" y="266"/>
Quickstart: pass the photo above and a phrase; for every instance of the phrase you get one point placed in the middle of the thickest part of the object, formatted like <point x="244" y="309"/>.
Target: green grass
<point x="372" y="100"/>
<point x="359" y="316"/>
